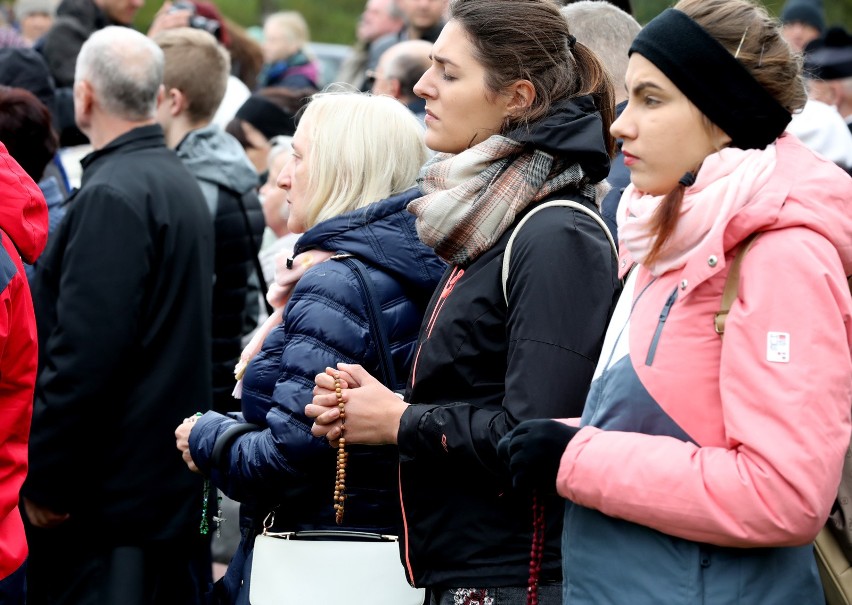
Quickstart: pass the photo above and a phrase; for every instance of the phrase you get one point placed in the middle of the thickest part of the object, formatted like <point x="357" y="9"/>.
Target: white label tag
<point x="778" y="347"/>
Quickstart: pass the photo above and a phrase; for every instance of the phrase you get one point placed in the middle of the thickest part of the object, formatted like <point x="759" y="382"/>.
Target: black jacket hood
<point x="572" y="131"/>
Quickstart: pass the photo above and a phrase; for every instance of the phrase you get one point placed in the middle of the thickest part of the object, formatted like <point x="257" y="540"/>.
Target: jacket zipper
<point x="408" y="568"/>
<point x="664" y="315"/>
<point x="455" y="275"/>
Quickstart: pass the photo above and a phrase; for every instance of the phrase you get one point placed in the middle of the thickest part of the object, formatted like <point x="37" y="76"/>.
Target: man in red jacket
<point x="23" y="233"/>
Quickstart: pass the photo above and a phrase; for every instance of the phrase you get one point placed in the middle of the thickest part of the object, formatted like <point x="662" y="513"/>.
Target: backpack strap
<point x="567" y="203"/>
<point x="732" y="284"/>
<point x="373" y="305"/>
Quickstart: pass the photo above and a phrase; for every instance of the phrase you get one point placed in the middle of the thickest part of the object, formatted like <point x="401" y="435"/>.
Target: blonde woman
<point x="285" y="62"/>
<point x="348" y="181"/>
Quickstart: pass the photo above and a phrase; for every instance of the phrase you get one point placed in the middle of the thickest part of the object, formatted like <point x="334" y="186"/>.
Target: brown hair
<point x="529" y="40"/>
<point x="747" y="31"/>
<point x="246" y="54"/>
<point x="26" y="130"/>
<point x="197" y="66"/>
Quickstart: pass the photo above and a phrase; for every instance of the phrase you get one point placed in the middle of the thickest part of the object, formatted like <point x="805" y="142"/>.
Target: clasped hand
<point x="372" y="411"/>
<point x="182" y="441"/>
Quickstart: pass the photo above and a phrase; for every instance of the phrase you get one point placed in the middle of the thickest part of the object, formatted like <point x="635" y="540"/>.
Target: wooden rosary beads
<point x="340" y="479"/>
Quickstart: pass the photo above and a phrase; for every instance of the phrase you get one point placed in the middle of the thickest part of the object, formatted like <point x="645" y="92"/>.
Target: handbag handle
<point x="226" y="437"/>
<point x="374" y="317"/>
<point x="332" y="534"/>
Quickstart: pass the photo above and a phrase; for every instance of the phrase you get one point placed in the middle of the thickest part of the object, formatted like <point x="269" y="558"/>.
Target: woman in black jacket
<point x="520" y="114"/>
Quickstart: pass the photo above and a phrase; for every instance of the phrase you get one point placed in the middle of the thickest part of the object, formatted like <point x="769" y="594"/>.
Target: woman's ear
<point x="720" y="138"/>
<point x="521" y="97"/>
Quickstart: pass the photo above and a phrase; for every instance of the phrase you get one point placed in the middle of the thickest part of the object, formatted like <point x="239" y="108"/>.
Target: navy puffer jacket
<point x="325" y="322"/>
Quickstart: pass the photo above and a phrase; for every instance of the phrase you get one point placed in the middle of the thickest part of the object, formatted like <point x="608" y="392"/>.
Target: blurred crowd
<point x="185" y="204"/>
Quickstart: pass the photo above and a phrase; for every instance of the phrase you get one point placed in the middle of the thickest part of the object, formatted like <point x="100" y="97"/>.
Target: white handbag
<point x="356" y="568"/>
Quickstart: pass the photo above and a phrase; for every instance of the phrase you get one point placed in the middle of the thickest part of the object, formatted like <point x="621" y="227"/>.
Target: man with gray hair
<point x="608" y="31"/>
<point x="123" y="301"/>
<point x="379" y="18"/>
<point x="400" y="68"/>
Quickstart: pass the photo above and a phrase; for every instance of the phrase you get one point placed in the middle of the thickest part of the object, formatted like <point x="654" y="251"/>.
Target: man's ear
<point x="175" y="100"/>
<point x="83" y="97"/>
<point x="396" y="87"/>
<point x="521" y="97"/>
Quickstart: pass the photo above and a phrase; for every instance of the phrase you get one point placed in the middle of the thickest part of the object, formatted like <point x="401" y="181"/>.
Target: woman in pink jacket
<point x="702" y="469"/>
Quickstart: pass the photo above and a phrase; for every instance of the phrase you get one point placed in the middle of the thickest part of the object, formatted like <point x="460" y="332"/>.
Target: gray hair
<point x="125" y="70"/>
<point x="608" y="31"/>
<point x="395" y="11"/>
<point x="408" y="61"/>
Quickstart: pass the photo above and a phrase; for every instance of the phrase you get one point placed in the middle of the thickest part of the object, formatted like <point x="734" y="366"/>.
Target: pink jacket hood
<point x="23" y="213"/>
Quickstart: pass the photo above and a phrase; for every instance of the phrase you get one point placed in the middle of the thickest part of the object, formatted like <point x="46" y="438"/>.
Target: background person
<point x="802" y="21"/>
<point x="23" y="227"/>
<point x="400" y="68"/>
<point x="268" y="113"/>
<point x="123" y="298"/>
<point x="195" y="77"/>
<point x="345" y="194"/>
<point x="608" y="31"/>
<point x="828" y="69"/>
<point x="34" y="18"/>
<point x="285" y="59"/>
<point x="379" y="18"/>
<point x="75" y="21"/>
<point x="516" y="124"/>
<point x="277" y="239"/>
<point x="423" y="20"/>
<point x="26" y="130"/>
<point x="705" y="467"/>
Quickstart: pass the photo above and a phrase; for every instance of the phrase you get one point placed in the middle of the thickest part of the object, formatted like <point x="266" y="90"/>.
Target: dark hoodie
<point x="76" y="20"/>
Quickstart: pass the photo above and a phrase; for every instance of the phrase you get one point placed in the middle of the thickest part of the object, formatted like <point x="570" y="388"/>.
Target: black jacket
<point x="76" y="20"/>
<point x="481" y="368"/>
<point x="228" y="182"/>
<point x="122" y="298"/>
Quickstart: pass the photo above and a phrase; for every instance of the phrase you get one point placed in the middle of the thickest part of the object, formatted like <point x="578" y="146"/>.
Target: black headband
<point x="266" y="116"/>
<point x="719" y="85"/>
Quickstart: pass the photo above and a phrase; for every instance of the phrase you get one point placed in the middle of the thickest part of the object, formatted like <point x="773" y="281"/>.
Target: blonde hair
<point x="292" y="24"/>
<point x="197" y="66"/>
<point x="363" y="149"/>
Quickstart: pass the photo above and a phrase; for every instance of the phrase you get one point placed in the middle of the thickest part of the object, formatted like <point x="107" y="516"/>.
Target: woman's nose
<point x="423" y="89"/>
<point x="619" y="128"/>
<point x="283" y="180"/>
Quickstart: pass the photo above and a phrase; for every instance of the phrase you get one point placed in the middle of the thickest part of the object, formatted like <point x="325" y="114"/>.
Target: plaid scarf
<point x="471" y="198"/>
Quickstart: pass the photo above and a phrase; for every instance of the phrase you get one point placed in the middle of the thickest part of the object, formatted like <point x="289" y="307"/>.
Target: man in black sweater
<point x="123" y="303"/>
